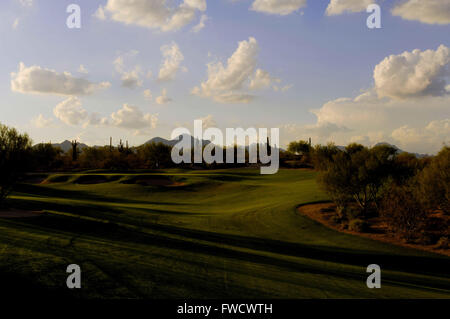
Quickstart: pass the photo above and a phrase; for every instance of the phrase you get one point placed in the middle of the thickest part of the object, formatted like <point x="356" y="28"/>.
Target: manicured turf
<point x="198" y="234"/>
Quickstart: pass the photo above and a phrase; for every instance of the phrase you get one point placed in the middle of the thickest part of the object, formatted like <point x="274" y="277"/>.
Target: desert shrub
<point x="403" y="212"/>
<point x="434" y="182"/>
<point x="358" y="225"/>
<point x="356" y="174"/>
<point x="15" y="149"/>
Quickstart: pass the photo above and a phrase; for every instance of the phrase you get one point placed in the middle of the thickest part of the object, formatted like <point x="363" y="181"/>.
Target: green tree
<point x="46" y="157"/>
<point x="358" y="173"/>
<point x="14" y="158"/>
<point x="434" y="182"/>
<point x="155" y="155"/>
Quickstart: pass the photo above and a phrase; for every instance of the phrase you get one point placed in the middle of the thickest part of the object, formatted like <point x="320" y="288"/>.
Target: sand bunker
<point x="152" y="180"/>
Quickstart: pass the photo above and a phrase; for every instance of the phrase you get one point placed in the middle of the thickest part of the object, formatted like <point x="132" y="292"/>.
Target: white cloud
<point x="413" y="74"/>
<point x="131" y="78"/>
<point x="40" y="121"/>
<point x="285" y="88"/>
<point x="405" y="107"/>
<point x="70" y="111"/>
<point x="230" y="83"/>
<point x="171" y="64"/>
<point x="163" y="98"/>
<point x="261" y="80"/>
<point x="425" y="11"/>
<point x="336" y="7"/>
<point x="148" y="94"/>
<point x="82" y="69"/>
<point x="95" y="119"/>
<point x="100" y="13"/>
<point x="280" y="7"/>
<point x="201" y="23"/>
<point x="434" y="135"/>
<point x="131" y="117"/>
<point x="155" y="14"/>
<point x="224" y="81"/>
<point x="208" y="121"/>
<point x="35" y="79"/>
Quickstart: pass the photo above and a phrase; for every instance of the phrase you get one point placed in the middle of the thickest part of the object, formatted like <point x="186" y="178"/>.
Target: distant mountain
<point x="67" y="146"/>
<point x="157" y="140"/>
<point x="399" y="151"/>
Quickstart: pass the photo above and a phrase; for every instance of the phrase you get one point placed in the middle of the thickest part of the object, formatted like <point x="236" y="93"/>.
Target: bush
<point x="15" y="151"/>
<point x="358" y="225"/>
<point x="403" y="211"/>
<point x="434" y="182"/>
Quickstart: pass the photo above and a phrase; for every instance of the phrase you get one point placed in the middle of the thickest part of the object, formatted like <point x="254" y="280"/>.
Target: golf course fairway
<point x="197" y="234"/>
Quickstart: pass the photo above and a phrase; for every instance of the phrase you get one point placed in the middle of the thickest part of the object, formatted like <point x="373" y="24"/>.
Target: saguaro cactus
<point x="74" y="150"/>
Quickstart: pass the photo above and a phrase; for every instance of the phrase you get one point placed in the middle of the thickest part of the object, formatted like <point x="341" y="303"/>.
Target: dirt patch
<point x="18" y="213"/>
<point x="323" y="213"/>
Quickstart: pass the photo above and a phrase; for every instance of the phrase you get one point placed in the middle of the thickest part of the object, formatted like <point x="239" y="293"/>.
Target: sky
<point x="137" y="69"/>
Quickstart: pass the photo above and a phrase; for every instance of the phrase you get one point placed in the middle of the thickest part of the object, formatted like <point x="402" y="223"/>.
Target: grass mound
<point x="152" y="180"/>
<point x="57" y="179"/>
<point x="96" y="179"/>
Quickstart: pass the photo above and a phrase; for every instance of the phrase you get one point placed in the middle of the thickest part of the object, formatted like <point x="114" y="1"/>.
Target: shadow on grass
<point x="408" y="265"/>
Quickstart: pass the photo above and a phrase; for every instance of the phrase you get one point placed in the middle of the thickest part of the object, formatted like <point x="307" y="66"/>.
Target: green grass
<point x="224" y="233"/>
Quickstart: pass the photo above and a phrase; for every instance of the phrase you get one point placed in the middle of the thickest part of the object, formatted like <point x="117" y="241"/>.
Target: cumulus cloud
<point x="410" y="88"/>
<point x="82" y="69"/>
<point x="100" y="13"/>
<point x="171" y="64"/>
<point x="131" y="78"/>
<point x="434" y="135"/>
<point x="201" y="23"/>
<point x="155" y="14"/>
<point x="285" y="88"/>
<point x="228" y="83"/>
<point x="279" y="7"/>
<point x="163" y="98"/>
<point x="261" y="80"/>
<point x="131" y="117"/>
<point x="95" y="119"/>
<point x="429" y="11"/>
<point x="148" y="94"/>
<point x="41" y="121"/>
<point x="37" y="80"/>
<point x="208" y="121"/>
<point x="70" y="111"/>
<point x="413" y="74"/>
<point x="336" y="7"/>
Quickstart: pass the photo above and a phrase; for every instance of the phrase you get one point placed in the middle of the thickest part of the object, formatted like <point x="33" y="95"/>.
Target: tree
<point x="358" y="173"/>
<point x="300" y="147"/>
<point x="46" y="157"/>
<point x="155" y="155"/>
<point x="14" y="157"/>
<point x="322" y="155"/>
<point x="434" y="182"/>
<point x="403" y="212"/>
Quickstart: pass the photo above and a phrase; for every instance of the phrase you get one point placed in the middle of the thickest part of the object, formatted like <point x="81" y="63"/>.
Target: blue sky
<point x="323" y="62"/>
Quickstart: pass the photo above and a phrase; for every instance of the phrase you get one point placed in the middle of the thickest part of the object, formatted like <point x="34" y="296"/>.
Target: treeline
<point x="406" y="192"/>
